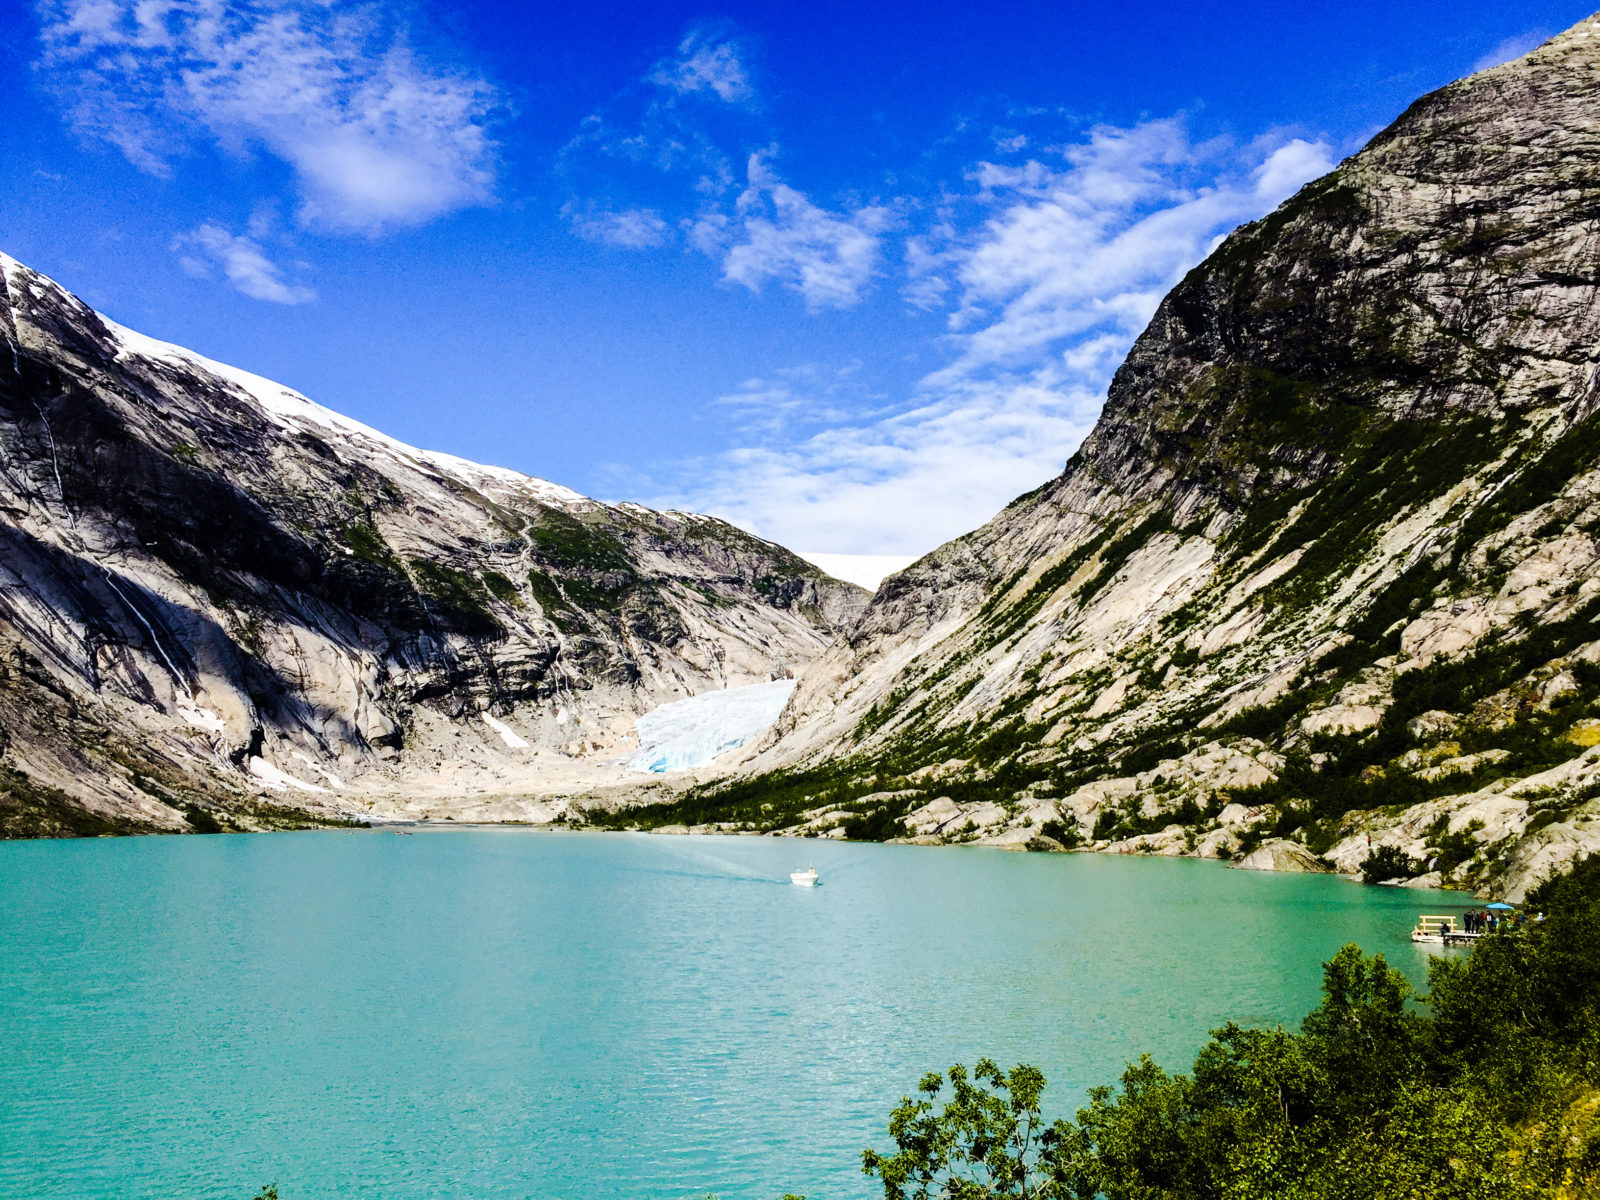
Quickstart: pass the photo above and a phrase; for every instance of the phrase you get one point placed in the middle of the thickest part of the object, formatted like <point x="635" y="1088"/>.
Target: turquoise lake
<point x="486" y="1014"/>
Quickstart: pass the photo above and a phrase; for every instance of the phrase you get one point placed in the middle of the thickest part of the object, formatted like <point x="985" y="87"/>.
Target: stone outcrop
<point x="1547" y="852"/>
<point x="943" y="820"/>
<point x="1281" y="855"/>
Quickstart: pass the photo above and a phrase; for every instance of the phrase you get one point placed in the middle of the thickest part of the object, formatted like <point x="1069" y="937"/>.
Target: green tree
<point x="1148" y="1142"/>
<point x="1486" y="1089"/>
<point x="1388" y="862"/>
<point x="1363" y="1036"/>
<point x="987" y="1141"/>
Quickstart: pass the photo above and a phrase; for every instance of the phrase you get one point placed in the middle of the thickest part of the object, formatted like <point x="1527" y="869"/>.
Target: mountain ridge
<point x="222" y="603"/>
<point x="1353" y="451"/>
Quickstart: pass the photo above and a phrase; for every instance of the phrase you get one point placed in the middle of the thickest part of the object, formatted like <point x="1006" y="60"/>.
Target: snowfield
<point x="690" y="733"/>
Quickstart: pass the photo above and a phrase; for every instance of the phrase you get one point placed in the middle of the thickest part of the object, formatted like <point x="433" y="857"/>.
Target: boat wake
<point x="720" y="868"/>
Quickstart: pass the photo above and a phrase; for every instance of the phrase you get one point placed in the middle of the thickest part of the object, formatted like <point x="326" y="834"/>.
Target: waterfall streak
<point x="55" y="463"/>
<point x="182" y="683"/>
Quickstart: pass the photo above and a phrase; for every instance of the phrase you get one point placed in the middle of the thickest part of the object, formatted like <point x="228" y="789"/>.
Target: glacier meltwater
<point x="690" y="733"/>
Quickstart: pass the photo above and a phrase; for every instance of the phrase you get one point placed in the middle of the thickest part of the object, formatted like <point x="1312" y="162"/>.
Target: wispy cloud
<point x="669" y="119"/>
<point x="1087" y="249"/>
<point x="777" y="233"/>
<point x="375" y="135"/>
<point x="660" y="139"/>
<point x="1046" y="271"/>
<point x="709" y="59"/>
<point x="241" y="260"/>
<point x="799" y="399"/>
<point x="905" y="482"/>
<point x="683" y="118"/>
<point x="1513" y="47"/>
<point x="629" y="228"/>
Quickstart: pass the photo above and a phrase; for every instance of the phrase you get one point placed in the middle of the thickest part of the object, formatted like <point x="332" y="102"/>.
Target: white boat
<point x="806" y="878"/>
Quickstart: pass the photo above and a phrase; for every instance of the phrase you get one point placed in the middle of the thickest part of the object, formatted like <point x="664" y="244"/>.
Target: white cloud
<point x="1046" y="271"/>
<point x="766" y="230"/>
<point x="1090" y="249"/>
<point x="865" y="570"/>
<point x="660" y="138"/>
<point x="630" y="228"/>
<point x="777" y="233"/>
<point x="904" y="482"/>
<point x="707" y="61"/>
<point x="659" y="122"/>
<point x="1513" y="47"/>
<point x="241" y="260"/>
<point x="799" y="398"/>
<point x="375" y="136"/>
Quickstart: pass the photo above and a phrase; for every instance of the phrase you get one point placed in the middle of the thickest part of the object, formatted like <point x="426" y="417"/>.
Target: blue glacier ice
<point x="690" y="733"/>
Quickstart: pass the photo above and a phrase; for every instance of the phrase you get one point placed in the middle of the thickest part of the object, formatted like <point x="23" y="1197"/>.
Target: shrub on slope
<point x="1487" y="1090"/>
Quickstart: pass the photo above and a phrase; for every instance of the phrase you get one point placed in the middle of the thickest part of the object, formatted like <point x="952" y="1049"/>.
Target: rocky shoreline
<point x="1496" y="841"/>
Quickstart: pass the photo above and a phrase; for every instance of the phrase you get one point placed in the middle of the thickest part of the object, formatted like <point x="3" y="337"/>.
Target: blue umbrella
<point x="1497" y="904"/>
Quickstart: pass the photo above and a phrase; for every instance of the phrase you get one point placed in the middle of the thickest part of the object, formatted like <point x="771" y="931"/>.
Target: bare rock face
<point x="1546" y="853"/>
<point x="1341" y="719"/>
<point x="1170" y="842"/>
<point x="1343" y="503"/>
<point x="1281" y="855"/>
<point x="223" y="604"/>
<point x="943" y="820"/>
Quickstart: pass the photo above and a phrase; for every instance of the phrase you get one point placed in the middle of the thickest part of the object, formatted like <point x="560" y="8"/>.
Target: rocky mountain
<point x="223" y="605"/>
<point x="1324" y="577"/>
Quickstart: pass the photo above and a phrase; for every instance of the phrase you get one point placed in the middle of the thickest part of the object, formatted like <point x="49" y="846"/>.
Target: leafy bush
<point x="456" y="595"/>
<point x="1000" y="1147"/>
<point x="200" y="820"/>
<point x="367" y="544"/>
<point x="878" y="824"/>
<point x="1486" y="1089"/>
<point x="1067" y="835"/>
<point x="502" y="588"/>
<point x="1388" y="862"/>
<point x="1450" y="850"/>
<point x="563" y="540"/>
<point x="1127" y="822"/>
<point x="1249" y="838"/>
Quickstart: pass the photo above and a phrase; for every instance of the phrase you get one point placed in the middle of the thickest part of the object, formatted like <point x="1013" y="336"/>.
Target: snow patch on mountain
<point x="508" y="735"/>
<point x="690" y="733"/>
<point x="290" y="409"/>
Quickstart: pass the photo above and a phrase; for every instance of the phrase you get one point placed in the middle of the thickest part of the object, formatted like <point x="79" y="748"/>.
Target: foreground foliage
<point x="1487" y="1090"/>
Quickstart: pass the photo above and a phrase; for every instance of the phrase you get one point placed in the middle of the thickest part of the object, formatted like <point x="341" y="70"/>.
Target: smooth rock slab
<point x="1342" y="718"/>
<point x="1280" y="854"/>
<point x="1548" y="852"/>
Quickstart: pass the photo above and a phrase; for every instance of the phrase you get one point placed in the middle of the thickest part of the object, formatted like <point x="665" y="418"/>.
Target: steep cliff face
<point x="218" y="598"/>
<point x="1350" y="469"/>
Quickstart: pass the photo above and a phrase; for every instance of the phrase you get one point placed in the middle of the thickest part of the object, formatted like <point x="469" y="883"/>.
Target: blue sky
<point x="851" y="274"/>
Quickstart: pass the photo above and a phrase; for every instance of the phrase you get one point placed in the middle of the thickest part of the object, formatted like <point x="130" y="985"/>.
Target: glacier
<point x="690" y="733"/>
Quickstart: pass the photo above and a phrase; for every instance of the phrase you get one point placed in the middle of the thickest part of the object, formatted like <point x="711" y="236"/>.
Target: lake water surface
<point x="490" y="1014"/>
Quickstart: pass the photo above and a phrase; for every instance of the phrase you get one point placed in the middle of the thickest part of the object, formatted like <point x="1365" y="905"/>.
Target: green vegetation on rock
<point x="32" y="809"/>
<point x="457" y="596"/>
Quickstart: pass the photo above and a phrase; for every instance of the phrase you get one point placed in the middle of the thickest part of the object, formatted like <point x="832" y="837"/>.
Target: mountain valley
<point x="1319" y="592"/>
